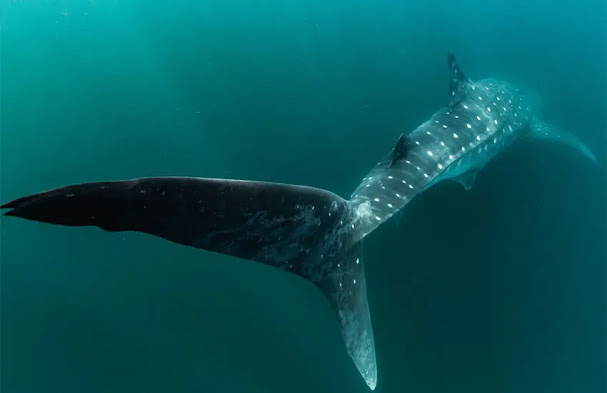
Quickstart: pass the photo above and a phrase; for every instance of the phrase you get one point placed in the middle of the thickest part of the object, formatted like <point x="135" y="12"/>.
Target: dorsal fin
<point x="457" y="80"/>
<point x="403" y="144"/>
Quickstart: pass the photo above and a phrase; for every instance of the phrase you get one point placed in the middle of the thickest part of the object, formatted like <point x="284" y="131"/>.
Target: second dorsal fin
<point x="457" y="80"/>
<point x="403" y="144"/>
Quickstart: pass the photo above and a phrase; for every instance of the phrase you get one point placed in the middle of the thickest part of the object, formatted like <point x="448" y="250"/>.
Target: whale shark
<point x="313" y="233"/>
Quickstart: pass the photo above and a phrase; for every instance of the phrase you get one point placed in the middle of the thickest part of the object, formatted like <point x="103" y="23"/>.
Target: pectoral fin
<point x="543" y="130"/>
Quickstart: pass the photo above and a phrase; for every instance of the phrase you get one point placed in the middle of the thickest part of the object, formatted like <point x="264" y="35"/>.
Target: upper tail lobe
<point x="303" y="230"/>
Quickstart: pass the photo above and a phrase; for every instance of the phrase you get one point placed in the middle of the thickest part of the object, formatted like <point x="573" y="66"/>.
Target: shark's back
<point x="302" y="230"/>
<point x="481" y="119"/>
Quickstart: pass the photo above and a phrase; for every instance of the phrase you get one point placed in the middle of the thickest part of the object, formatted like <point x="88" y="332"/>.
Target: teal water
<point x="498" y="289"/>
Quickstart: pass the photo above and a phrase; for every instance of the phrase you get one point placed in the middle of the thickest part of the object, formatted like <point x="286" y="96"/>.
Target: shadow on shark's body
<point x="307" y="231"/>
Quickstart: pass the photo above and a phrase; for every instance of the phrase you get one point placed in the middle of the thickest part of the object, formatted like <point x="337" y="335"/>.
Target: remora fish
<point x="311" y="232"/>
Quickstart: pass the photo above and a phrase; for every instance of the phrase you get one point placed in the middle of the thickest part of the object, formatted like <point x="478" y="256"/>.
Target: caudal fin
<point x="303" y="230"/>
<point x="345" y="287"/>
<point x="266" y="222"/>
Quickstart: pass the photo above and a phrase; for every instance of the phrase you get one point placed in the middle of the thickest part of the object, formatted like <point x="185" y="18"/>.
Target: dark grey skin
<point x="307" y="231"/>
<point x="302" y="230"/>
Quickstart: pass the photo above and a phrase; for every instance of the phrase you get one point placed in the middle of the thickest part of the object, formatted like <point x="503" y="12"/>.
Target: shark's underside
<point x="307" y="231"/>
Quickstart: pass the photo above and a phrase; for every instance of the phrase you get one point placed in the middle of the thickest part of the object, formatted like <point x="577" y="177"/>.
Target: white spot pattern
<point x="443" y="149"/>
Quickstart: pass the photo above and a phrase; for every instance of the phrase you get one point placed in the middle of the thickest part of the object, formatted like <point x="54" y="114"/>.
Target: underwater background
<point x="498" y="289"/>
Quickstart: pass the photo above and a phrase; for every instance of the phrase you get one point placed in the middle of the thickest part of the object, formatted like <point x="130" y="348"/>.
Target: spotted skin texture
<point x="344" y="285"/>
<point x="301" y="230"/>
<point x="276" y="224"/>
<point x="312" y="233"/>
<point x="452" y="142"/>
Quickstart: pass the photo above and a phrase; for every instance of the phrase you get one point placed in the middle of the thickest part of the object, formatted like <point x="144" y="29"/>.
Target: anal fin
<point x="466" y="179"/>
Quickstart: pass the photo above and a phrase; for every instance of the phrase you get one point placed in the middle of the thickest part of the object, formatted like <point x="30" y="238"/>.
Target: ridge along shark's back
<point x="480" y="120"/>
<point x="312" y="233"/>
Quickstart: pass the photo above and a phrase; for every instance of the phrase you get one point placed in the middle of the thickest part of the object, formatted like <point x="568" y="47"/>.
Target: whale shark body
<point x="307" y="231"/>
